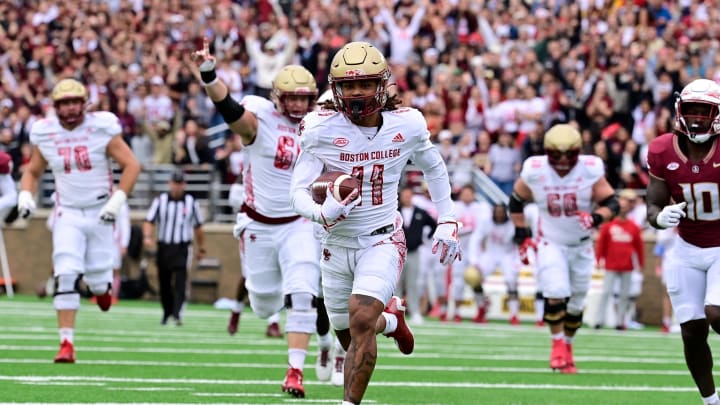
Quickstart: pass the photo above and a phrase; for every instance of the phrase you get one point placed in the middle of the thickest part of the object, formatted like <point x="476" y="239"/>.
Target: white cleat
<point x="338" y="372"/>
<point x="416" y="319"/>
<point x="323" y="365"/>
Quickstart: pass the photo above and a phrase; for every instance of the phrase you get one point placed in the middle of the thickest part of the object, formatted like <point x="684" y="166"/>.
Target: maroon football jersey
<point x="693" y="182"/>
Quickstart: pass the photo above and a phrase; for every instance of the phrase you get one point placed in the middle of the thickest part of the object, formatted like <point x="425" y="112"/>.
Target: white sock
<point x="239" y="306"/>
<point x="390" y="323"/>
<point x="514" y="307"/>
<point x="666" y="321"/>
<point x="339" y="350"/>
<point x="347" y="403"/>
<point x="275" y="318"/>
<point x="296" y="358"/>
<point x="325" y="341"/>
<point x="66" y="334"/>
<point x="539" y="309"/>
<point x="712" y="399"/>
<point x="558" y="336"/>
<point x="569" y="339"/>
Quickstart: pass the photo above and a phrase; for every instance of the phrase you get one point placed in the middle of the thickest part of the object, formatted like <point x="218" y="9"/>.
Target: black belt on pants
<point x="383" y="230"/>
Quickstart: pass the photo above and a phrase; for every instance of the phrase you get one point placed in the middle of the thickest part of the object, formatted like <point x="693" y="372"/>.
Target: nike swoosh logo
<point x="716" y="165"/>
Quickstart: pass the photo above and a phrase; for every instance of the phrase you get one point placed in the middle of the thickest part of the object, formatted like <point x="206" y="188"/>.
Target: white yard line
<point x="85" y="379"/>
<point x="282" y="366"/>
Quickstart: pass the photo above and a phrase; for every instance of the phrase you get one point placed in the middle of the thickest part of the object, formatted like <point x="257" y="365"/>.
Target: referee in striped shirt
<point x="178" y="218"/>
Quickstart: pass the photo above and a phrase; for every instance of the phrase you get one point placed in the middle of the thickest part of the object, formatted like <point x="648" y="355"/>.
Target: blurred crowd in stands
<point x="490" y="76"/>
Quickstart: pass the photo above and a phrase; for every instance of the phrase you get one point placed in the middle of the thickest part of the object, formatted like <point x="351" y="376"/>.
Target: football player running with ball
<point x="77" y="147"/>
<point x="365" y="134"/>
<point x="280" y="256"/>
<point x="683" y="192"/>
<point x="565" y="186"/>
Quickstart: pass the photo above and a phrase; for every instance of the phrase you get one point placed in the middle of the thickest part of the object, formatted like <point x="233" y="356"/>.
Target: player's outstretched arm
<point x="241" y="122"/>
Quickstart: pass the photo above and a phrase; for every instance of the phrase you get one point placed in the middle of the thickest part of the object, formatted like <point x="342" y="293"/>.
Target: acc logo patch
<point x="340" y="142"/>
<point x="673" y="165"/>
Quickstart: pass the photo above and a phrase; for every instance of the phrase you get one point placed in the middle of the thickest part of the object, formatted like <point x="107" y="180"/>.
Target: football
<point x="343" y="185"/>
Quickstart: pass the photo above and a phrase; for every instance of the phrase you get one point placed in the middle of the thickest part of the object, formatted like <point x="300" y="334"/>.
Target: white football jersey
<point x="269" y="160"/>
<point x="499" y="238"/>
<point x="560" y="199"/>
<point x="377" y="161"/>
<point x="78" y="159"/>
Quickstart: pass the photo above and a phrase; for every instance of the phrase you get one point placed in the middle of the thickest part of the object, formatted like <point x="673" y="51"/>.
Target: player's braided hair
<point x="391" y="103"/>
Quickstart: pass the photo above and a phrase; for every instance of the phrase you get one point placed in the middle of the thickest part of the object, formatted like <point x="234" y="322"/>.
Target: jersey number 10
<point x="703" y="201"/>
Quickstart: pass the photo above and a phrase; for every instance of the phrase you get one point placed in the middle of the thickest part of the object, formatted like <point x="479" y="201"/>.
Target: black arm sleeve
<point x="230" y="109"/>
<point x="516" y="204"/>
<point x="611" y="203"/>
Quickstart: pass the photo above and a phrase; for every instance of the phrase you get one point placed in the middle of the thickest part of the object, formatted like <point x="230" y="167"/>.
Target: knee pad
<point x="539" y="296"/>
<point x="67" y="296"/>
<point x="265" y="305"/>
<point x="513" y="295"/>
<point x="554" y="313"/>
<point x="302" y="315"/>
<point x="339" y="321"/>
<point x="323" y="322"/>
<point x="576" y="304"/>
<point x="573" y="322"/>
<point x="478" y="289"/>
<point x="99" y="282"/>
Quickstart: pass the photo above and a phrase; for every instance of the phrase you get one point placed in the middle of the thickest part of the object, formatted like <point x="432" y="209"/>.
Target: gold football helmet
<point x="359" y="61"/>
<point x="562" y="140"/>
<point x="69" y="89"/>
<point x="473" y="277"/>
<point x="297" y="81"/>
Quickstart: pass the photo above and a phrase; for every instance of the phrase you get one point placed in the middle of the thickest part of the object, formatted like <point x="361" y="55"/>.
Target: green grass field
<point x="125" y="356"/>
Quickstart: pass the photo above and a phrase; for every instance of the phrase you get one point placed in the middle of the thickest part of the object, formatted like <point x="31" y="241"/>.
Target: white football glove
<point x="333" y="211"/>
<point x="241" y="222"/>
<point x="207" y="65"/>
<point x="26" y="204"/>
<point x="111" y="209"/>
<point x="670" y="215"/>
<point x="236" y="196"/>
<point x="446" y="241"/>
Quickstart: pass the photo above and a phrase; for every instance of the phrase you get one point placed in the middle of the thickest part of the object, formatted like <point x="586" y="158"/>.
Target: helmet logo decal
<point x="354" y="72"/>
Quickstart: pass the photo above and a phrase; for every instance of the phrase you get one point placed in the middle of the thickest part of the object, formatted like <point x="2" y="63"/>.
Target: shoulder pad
<point x="534" y="168"/>
<point x="257" y="105"/>
<point x="661" y="144"/>
<point x="593" y="165"/>
<point x="105" y="122"/>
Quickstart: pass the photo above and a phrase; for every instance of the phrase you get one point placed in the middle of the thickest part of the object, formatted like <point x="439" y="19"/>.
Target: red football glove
<point x="589" y="220"/>
<point x="527" y="244"/>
